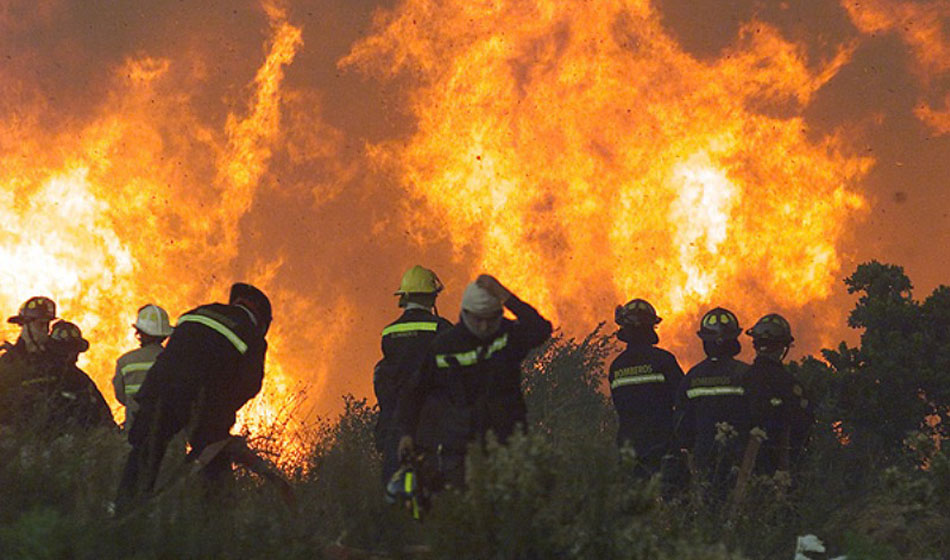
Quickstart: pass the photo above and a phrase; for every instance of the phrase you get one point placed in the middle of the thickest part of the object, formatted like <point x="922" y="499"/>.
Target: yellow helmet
<point x="419" y="280"/>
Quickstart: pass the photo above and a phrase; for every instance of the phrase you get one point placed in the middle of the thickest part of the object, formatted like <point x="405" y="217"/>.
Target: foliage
<point x="563" y="387"/>
<point x="898" y="381"/>
<point x="874" y="484"/>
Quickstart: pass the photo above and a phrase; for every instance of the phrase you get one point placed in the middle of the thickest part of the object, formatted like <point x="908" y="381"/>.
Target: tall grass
<point x="559" y="490"/>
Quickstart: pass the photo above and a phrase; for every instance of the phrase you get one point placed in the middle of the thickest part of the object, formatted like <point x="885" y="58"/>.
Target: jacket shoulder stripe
<point x="423" y="326"/>
<point x="136" y="366"/>
<point x="213" y="324"/>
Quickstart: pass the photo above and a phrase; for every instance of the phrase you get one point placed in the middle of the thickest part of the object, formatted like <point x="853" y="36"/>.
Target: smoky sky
<point x="336" y="223"/>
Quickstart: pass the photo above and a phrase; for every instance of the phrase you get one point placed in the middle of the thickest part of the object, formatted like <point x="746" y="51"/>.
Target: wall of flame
<point x="695" y="154"/>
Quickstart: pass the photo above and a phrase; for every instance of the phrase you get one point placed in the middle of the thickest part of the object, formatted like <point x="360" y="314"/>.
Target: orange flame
<point x="127" y="210"/>
<point x="585" y="158"/>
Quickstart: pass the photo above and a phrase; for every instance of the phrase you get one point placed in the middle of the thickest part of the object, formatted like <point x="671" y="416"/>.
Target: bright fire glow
<point x="585" y="158"/>
<point x="121" y="213"/>
<point x="582" y="155"/>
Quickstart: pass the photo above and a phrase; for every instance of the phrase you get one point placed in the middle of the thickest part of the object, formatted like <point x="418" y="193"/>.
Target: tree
<point x="898" y="380"/>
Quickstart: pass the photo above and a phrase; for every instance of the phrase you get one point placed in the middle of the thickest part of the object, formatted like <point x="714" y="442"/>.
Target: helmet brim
<point x="145" y="332"/>
<point x="716" y="337"/>
<point x="20" y="319"/>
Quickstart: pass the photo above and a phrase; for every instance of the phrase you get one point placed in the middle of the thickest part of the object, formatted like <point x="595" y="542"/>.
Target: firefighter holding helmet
<point x="470" y="381"/>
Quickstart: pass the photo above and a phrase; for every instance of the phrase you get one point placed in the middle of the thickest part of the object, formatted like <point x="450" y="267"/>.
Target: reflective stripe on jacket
<point x="404" y="344"/>
<point x="467" y="385"/>
<point x="643" y="384"/>
<point x="212" y="365"/>
<point x="130" y="371"/>
<point x="713" y="394"/>
<point x="217" y="322"/>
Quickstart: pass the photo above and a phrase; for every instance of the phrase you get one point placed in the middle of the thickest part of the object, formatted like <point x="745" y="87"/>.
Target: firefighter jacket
<point x="467" y="386"/>
<point x="23" y="376"/>
<point x="212" y="364"/>
<point x="713" y="392"/>
<point x="77" y="401"/>
<point x="404" y="343"/>
<point x="778" y="405"/>
<point x="48" y="392"/>
<point x="644" y="381"/>
<point x="130" y="371"/>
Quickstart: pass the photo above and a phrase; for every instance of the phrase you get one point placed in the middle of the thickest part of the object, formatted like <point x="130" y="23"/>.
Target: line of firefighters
<point x="211" y="365"/>
<point x="442" y="386"/>
<point x="439" y="386"/>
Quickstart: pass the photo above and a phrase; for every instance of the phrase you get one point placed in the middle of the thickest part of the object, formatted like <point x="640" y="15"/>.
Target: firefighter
<point x="152" y="327"/>
<point x="212" y="365"/>
<point x="777" y="401"/>
<point x="75" y="401"/>
<point x="470" y="381"/>
<point x="713" y="413"/>
<point x="34" y="318"/>
<point x="23" y="360"/>
<point x="404" y="343"/>
<point x="643" y="380"/>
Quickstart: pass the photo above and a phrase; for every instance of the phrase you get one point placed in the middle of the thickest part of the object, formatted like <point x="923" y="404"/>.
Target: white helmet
<point x="153" y="321"/>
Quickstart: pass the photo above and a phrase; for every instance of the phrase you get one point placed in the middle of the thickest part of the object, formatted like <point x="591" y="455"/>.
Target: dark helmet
<point x="718" y="325"/>
<point x="255" y="301"/>
<point x="771" y="328"/>
<point x="67" y="336"/>
<point x="37" y="308"/>
<point x="404" y="488"/>
<point x="636" y="313"/>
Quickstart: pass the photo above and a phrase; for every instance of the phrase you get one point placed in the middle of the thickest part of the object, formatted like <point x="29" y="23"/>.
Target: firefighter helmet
<point x="419" y="280"/>
<point x="255" y="301"/>
<point x="153" y="321"/>
<point x="404" y="488"/>
<point x="771" y="328"/>
<point x="636" y="313"/>
<point x="67" y="336"/>
<point x="719" y="324"/>
<point x="37" y="308"/>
